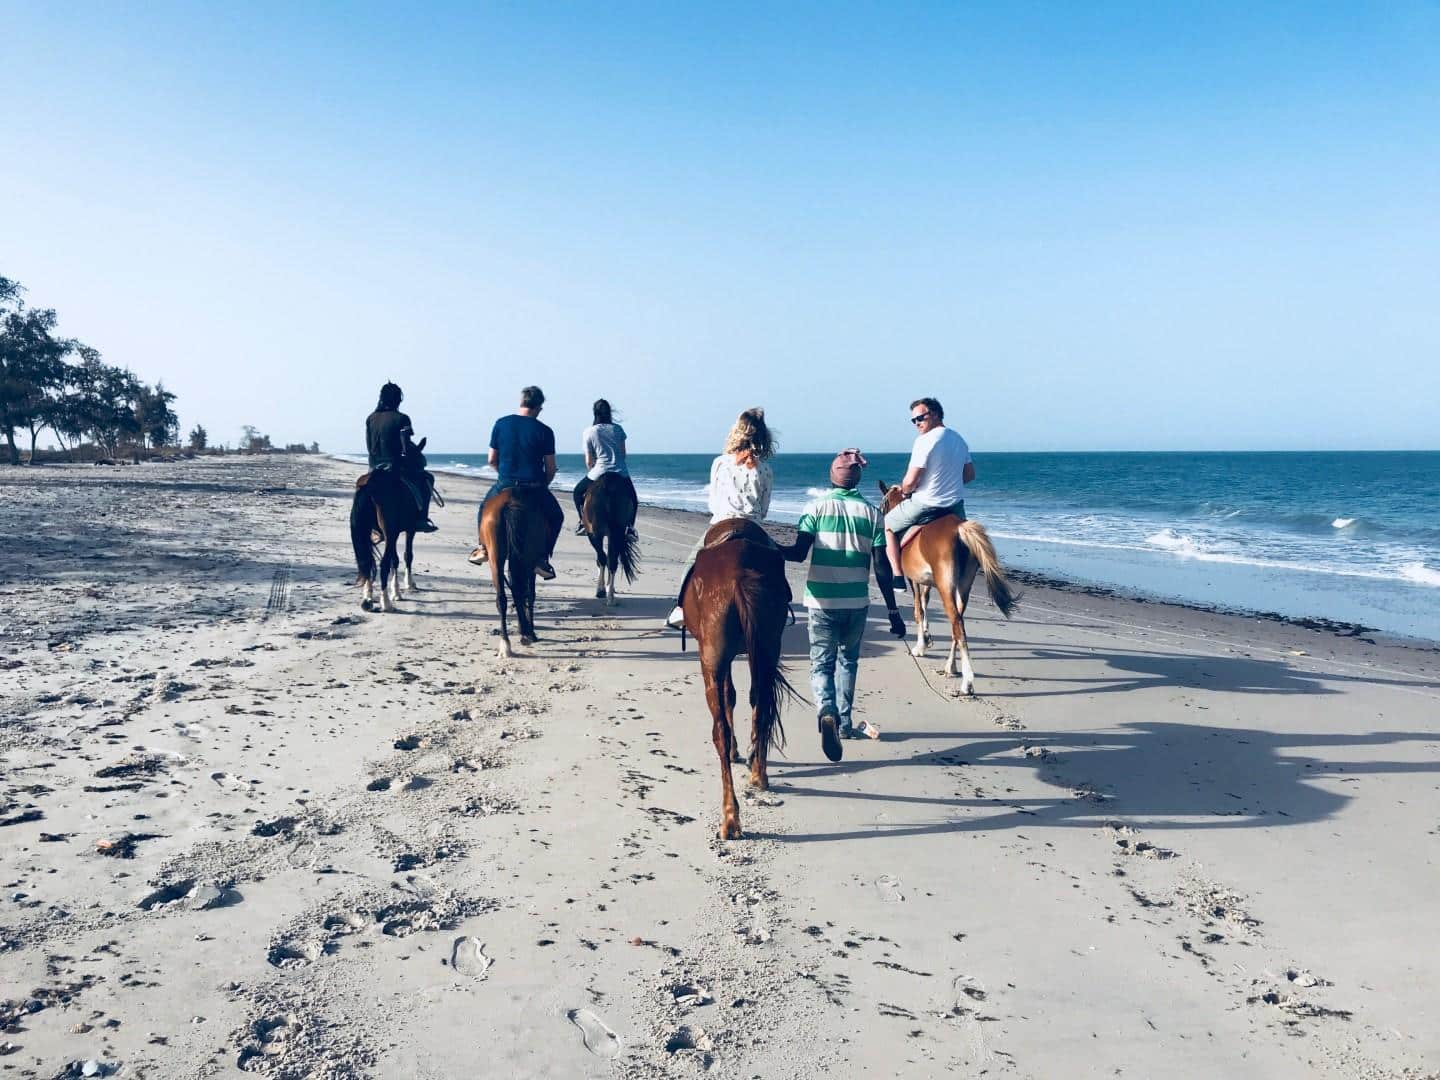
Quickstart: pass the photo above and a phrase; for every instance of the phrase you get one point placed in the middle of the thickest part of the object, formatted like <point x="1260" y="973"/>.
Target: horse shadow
<point x="1156" y="775"/>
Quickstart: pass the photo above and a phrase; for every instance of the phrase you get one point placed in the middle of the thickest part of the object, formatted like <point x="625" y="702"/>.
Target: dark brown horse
<point x="736" y="600"/>
<point x="513" y="532"/>
<point x="608" y="514"/>
<point x="944" y="554"/>
<point x="385" y="506"/>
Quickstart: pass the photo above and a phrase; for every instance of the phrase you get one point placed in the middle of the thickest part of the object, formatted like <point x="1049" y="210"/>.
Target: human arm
<point x="805" y="530"/>
<point x="493" y="460"/>
<point x="969" y="474"/>
<point x="911" y="480"/>
<point x="549" y="467"/>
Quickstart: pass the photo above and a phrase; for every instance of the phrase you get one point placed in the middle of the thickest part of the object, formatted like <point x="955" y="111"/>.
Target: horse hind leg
<point x="367" y="596"/>
<point x="723" y="735"/>
<point x="962" y="599"/>
<point x="409" y="582"/>
<point x="922" y="632"/>
<point x="387" y="567"/>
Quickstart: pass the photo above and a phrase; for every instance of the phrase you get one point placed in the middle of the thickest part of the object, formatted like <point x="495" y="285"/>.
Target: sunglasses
<point x="920" y="418"/>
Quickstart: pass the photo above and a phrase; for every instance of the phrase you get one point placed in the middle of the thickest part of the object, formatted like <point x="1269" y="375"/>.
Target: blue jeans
<point x="835" y="637"/>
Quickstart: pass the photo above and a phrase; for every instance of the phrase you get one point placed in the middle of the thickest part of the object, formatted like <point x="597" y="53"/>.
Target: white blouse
<point x="739" y="491"/>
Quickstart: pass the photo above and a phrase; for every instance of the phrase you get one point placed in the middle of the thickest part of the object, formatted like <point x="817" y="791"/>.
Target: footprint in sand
<point x="888" y="889"/>
<point x="467" y="956"/>
<point x="599" y="1039"/>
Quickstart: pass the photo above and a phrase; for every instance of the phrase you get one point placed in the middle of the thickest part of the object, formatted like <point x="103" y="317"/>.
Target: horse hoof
<point x="599" y="594"/>
<point x="968" y="689"/>
<point x="730" y="831"/>
<point x="367" y="605"/>
<point x="505" y="652"/>
<point x="527" y="640"/>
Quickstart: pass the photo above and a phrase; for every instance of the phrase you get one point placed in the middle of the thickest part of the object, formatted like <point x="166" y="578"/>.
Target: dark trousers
<point x="549" y="506"/>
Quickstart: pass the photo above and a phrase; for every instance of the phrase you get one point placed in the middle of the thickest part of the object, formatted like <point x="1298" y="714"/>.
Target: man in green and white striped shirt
<point x="844" y="535"/>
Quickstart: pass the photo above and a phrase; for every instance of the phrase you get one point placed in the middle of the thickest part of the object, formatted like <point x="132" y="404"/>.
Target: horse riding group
<point x="734" y="598"/>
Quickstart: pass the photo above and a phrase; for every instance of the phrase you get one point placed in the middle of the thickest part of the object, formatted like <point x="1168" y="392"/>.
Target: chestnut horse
<point x="736" y="600"/>
<point x="607" y="514"/>
<point x="945" y="554"/>
<point x="513" y="532"/>
<point x="383" y="505"/>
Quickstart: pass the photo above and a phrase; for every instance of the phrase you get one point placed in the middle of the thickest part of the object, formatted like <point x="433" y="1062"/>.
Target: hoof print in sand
<point x="888" y="889"/>
<point x="467" y="957"/>
<point x="691" y="1041"/>
<point x="599" y="1039"/>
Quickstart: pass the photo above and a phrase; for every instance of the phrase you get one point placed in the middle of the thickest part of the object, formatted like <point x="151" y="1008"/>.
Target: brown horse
<point x="736" y="600"/>
<point x="945" y="554"/>
<point x="383" y="505"/>
<point x="513" y="532"/>
<point x="607" y="514"/>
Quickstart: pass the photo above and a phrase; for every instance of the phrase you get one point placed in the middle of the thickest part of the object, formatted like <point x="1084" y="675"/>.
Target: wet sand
<point x="247" y="826"/>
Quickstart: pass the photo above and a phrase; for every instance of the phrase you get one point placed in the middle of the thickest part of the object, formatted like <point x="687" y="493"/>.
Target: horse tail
<point x="628" y="542"/>
<point x="973" y="535"/>
<point x="512" y="529"/>
<point x="362" y="510"/>
<point x="762" y="623"/>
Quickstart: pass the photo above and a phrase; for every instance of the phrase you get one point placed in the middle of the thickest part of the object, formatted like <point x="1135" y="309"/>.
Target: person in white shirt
<point x="741" y="480"/>
<point x="603" y="443"/>
<point x="934" y="484"/>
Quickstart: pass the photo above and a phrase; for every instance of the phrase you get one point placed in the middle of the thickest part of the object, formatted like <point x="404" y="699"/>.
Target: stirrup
<point x="545" y="570"/>
<point x="428" y="526"/>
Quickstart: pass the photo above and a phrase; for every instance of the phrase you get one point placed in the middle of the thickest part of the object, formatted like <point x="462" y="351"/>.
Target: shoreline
<point x="1059" y="581"/>
<point x="1076" y="586"/>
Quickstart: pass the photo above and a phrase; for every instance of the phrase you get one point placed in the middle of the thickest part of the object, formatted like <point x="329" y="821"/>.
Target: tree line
<point x="55" y="382"/>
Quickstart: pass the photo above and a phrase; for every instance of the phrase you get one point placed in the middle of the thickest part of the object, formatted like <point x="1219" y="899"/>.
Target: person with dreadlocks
<point x="388" y="435"/>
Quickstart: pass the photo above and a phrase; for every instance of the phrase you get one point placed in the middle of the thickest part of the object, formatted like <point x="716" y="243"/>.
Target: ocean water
<point x="1341" y="535"/>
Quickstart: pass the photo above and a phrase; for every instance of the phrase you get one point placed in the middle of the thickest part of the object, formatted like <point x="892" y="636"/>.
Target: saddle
<point x="410" y="483"/>
<point x="927" y="517"/>
<point x="737" y="529"/>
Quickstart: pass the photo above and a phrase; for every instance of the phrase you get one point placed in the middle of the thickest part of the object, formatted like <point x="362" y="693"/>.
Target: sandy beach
<point x="247" y="827"/>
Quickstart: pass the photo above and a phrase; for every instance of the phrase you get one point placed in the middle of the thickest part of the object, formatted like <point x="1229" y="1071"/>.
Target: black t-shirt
<point x="522" y="443"/>
<point x="385" y="432"/>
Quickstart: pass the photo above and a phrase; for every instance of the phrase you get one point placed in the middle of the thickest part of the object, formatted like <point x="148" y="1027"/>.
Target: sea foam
<point x="1421" y="574"/>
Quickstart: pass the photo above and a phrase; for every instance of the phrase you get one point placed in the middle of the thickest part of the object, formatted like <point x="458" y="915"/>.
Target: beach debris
<point x="690" y="995"/>
<point x="123" y="847"/>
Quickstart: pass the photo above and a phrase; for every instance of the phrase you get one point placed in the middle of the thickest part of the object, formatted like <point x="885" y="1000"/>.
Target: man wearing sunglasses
<point x="934" y="484"/>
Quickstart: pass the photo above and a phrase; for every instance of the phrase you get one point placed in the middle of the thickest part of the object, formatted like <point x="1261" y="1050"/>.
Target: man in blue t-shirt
<point x="522" y="453"/>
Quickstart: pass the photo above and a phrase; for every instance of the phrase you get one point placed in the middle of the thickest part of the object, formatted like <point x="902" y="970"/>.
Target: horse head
<point x="890" y="496"/>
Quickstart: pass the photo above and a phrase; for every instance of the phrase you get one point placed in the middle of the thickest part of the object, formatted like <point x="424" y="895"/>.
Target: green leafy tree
<point x="31" y="373"/>
<point x="198" y="438"/>
<point x="158" y="422"/>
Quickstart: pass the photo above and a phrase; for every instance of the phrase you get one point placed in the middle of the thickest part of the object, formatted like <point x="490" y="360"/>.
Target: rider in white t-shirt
<point x="940" y="467"/>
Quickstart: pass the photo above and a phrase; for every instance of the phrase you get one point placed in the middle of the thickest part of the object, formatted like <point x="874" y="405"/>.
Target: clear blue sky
<point x="1081" y="226"/>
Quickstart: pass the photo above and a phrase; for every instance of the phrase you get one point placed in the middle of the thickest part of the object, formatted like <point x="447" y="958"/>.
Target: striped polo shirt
<point x="846" y="530"/>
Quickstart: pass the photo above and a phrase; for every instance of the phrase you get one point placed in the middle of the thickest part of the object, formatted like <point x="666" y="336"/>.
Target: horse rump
<point x="762" y="602"/>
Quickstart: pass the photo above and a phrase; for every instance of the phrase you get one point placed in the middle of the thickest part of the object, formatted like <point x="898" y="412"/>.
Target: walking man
<point x="522" y="453"/>
<point x="842" y="533"/>
<point x="934" y="484"/>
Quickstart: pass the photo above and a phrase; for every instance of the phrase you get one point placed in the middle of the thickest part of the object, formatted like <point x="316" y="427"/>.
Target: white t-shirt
<point x="943" y="454"/>
<point x="739" y="491"/>
<point x="606" y="444"/>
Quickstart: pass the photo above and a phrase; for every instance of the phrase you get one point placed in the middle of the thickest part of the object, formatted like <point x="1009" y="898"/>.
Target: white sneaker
<point x="676" y="619"/>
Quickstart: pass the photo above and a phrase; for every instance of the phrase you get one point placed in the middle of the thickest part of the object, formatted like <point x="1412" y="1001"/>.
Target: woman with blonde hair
<point x="740" y="484"/>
